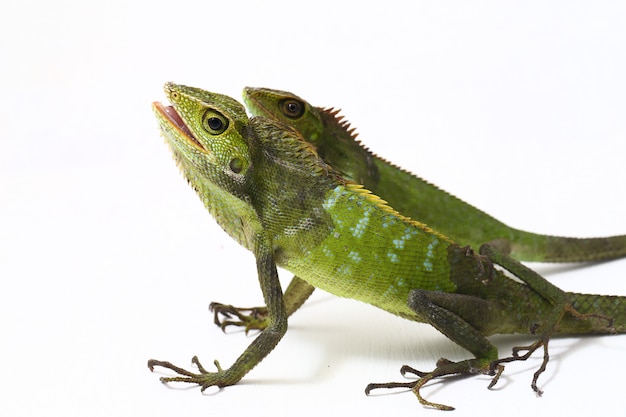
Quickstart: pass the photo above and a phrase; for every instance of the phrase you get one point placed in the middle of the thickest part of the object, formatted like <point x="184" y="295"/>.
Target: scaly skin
<point x="268" y="189"/>
<point x="414" y="197"/>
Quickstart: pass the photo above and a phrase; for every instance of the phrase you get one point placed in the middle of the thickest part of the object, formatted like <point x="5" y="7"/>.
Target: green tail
<point x="612" y="308"/>
<point x="462" y="222"/>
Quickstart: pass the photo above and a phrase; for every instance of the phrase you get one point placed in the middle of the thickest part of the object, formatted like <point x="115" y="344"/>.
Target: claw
<point x="255" y="319"/>
<point x="204" y="378"/>
<point x="530" y="349"/>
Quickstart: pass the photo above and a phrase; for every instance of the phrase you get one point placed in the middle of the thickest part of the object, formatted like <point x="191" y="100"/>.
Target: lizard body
<point x="268" y="188"/>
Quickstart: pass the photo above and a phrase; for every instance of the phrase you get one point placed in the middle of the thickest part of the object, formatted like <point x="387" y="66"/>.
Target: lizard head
<point x="287" y="108"/>
<point x="323" y="128"/>
<point x="209" y="137"/>
<point x="207" y="132"/>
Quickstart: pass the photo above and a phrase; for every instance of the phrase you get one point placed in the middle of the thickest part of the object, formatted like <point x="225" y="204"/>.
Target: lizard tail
<point x="601" y="314"/>
<point x="541" y="248"/>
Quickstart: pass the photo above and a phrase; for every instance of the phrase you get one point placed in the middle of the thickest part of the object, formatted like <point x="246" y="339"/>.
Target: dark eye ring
<point x="292" y="108"/>
<point x="214" y="122"/>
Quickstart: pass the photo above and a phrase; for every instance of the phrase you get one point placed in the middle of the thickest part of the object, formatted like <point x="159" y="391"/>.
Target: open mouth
<point x="172" y="116"/>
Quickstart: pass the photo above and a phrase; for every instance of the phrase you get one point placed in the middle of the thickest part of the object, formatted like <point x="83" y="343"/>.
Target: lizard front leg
<point x="256" y="318"/>
<point x="259" y="348"/>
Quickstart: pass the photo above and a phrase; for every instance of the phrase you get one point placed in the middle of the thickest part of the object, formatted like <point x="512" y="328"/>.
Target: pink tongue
<point x="174" y="117"/>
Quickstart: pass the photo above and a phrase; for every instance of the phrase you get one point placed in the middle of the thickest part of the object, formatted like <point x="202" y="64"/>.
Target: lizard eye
<point x="292" y="108"/>
<point x="214" y="122"/>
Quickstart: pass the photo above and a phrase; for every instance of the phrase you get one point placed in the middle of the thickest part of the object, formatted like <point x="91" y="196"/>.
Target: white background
<point x="107" y="258"/>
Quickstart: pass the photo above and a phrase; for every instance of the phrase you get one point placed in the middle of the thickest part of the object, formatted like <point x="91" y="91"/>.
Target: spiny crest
<point x="333" y="116"/>
<point x="386" y="208"/>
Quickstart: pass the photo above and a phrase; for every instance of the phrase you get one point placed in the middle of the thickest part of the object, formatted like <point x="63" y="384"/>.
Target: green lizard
<point x="268" y="189"/>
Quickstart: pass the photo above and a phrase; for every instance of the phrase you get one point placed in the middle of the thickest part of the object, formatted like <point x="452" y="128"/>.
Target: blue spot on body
<point x="355" y="256"/>
<point x="344" y="270"/>
<point x="359" y="229"/>
<point x="428" y="265"/>
<point x="391" y="291"/>
<point x="430" y="254"/>
<point x="393" y="258"/>
<point x="332" y="199"/>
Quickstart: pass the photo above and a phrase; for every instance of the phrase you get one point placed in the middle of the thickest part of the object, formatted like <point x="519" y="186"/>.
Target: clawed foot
<point x="204" y="378"/>
<point x="530" y="349"/>
<point x="255" y="318"/>
<point x="472" y="366"/>
<point x="444" y="367"/>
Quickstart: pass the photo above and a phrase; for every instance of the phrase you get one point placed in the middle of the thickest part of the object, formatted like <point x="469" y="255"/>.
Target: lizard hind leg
<point x="444" y="367"/>
<point x="560" y="301"/>
<point x="434" y="307"/>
